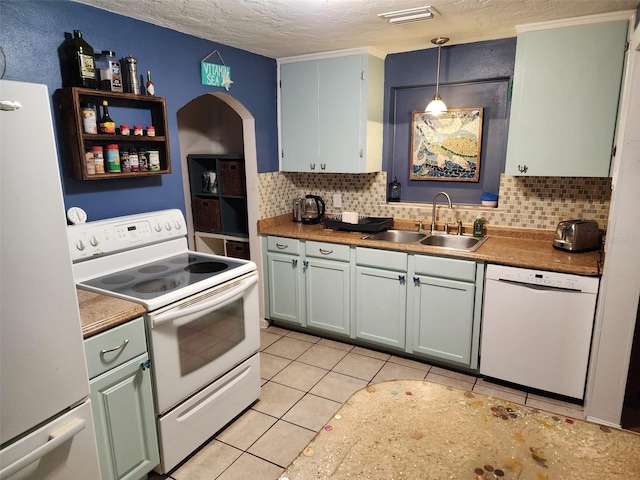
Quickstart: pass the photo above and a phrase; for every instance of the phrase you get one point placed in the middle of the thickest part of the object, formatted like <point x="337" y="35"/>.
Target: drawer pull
<point x="326" y="252"/>
<point x="401" y="279"/>
<point x="416" y="281"/>
<point x="119" y="347"/>
<point x="280" y="246"/>
<point x="294" y="263"/>
<point x="145" y="365"/>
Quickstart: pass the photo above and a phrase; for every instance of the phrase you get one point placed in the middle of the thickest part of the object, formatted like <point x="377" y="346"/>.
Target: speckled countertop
<point x="505" y="246"/>
<point x="101" y="312"/>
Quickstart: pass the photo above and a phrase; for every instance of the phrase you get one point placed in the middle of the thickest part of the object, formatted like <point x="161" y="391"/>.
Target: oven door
<point x="197" y="340"/>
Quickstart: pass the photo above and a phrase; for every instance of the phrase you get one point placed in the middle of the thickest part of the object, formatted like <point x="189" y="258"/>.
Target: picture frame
<point x="446" y="147"/>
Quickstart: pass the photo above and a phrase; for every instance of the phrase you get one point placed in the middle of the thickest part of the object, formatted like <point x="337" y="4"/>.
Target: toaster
<point x="577" y="235"/>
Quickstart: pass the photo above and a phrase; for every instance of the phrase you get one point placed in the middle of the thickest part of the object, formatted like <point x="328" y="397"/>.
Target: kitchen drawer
<point x="115" y="347"/>
<point x="330" y="251"/>
<point x="283" y="245"/>
<point x="381" y="259"/>
<point x="443" y="267"/>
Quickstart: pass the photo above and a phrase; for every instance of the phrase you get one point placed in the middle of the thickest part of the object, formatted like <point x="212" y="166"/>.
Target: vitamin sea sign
<point x="215" y="75"/>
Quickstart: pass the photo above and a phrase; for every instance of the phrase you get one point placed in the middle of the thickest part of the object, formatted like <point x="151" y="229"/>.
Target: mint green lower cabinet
<point x="125" y="421"/>
<point x="443" y="318"/>
<point x="327" y="295"/>
<point x="285" y="292"/>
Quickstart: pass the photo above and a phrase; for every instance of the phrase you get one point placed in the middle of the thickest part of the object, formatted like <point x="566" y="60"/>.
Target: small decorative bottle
<point x="150" y="88"/>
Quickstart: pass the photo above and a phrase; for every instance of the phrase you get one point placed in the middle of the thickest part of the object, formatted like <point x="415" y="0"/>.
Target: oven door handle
<point x="212" y="303"/>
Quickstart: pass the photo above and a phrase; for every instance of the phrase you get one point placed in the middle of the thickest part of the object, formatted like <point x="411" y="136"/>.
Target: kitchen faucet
<point x="433" y="210"/>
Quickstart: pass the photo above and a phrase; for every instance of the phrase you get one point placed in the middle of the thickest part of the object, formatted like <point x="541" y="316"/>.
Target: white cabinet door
<point x="565" y="99"/>
<point x="443" y="319"/>
<point x="327" y="295"/>
<point x="381" y="298"/>
<point x="285" y="291"/>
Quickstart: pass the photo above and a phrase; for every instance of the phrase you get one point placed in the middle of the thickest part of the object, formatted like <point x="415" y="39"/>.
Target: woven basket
<point x="238" y="249"/>
<point x="232" y="178"/>
<point x="206" y="214"/>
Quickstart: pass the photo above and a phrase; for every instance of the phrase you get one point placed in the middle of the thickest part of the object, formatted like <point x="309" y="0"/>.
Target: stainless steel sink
<point x="397" y="236"/>
<point x="454" y="242"/>
<point x="464" y="243"/>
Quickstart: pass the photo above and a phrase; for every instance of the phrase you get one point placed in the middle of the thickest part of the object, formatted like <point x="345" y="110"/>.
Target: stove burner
<point x="154" y="269"/>
<point x="206" y="267"/>
<point x="156" y="285"/>
<point x="117" y="279"/>
<point x="181" y="260"/>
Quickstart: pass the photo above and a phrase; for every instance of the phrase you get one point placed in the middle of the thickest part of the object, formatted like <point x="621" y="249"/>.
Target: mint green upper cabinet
<point x="331" y="113"/>
<point x="565" y="99"/>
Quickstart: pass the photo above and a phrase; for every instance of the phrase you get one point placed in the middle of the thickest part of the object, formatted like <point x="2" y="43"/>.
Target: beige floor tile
<point x="453" y="374"/>
<point x="276" y="330"/>
<point x="300" y="375"/>
<point x="276" y="399"/>
<point x="451" y="381"/>
<point x="322" y="356"/>
<point x="334" y="344"/>
<point x="410" y="363"/>
<point x="267" y="339"/>
<point x="510" y="395"/>
<point x="208" y="463"/>
<point x="337" y="387"/>
<point x="371" y="353"/>
<point x="359" y="366"/>
<point x="555" y="406"/>
<point x="312" y="412"/>
<point x="282" y="443"/>
<point x="247" y="429"/>
<point x="303" y="336"/>
<point x="249" y="467"/>
<point x="287" y="347"/>
<point x="270" y="365"/>
<point x="393" y="371"/>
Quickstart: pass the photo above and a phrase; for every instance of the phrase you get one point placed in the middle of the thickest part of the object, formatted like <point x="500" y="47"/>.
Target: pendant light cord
<point x="438" y="71"/>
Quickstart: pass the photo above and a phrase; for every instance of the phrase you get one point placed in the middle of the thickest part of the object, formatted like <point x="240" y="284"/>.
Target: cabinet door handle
<point x="294" y="262"/>
<point x="313" y="166"/>
<point x="280" y="246"/>
<point x="323" y="166"/>
<point x="326" y="252"/>
<point x="416" y="281"/>
<point x="305" y="264"/>
<point x="401" y="279"/>
<point x="145" y="365"/>
<point x="119" y="347"/>
<point x="523" y="168"/>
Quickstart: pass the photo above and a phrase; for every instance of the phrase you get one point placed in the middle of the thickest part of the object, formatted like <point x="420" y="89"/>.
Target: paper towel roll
<point x="350" y="217"/>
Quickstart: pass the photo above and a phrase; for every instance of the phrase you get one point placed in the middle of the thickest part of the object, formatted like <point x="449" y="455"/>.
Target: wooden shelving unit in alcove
<point x="219" y="209"/>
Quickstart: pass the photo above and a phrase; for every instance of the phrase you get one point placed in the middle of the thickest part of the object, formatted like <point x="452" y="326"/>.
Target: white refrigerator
<point x="46" y="425"/>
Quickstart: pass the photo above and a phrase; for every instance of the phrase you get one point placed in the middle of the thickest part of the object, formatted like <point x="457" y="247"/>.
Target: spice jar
<point x="151" y="131"/>
<point x="154" y="160"/>
<point x="137" y="129"/>
<point x="124" y="130"/>
<point x="89" y="123"/>
<point x="98" y="159"/>
<point x="113" y="158"/>
<point x="89" y="162"/>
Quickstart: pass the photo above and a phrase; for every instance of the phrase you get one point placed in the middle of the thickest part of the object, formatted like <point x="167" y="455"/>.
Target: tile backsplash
<point x="524" y="202"/>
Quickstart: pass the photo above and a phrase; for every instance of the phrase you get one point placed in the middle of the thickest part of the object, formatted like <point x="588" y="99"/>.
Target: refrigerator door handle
<point x="57" y="438"/>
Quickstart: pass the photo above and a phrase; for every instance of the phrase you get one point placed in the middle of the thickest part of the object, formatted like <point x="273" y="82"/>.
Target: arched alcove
<point x="218" y="124"/>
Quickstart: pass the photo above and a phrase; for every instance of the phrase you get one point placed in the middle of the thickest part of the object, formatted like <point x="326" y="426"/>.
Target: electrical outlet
<point x="337" y="200"/>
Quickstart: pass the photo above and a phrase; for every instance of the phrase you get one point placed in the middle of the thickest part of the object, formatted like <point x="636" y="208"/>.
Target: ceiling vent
<point x="417" y="14"/>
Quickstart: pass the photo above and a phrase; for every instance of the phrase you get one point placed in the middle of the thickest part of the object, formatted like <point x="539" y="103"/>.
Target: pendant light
<point x="437" y="106"/>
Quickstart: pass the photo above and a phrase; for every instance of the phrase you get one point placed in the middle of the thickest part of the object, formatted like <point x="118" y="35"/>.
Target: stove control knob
<point x="178" y="226"/>
<point x="167" y="226"/>
<point x="80" y="245"/>
<point x="93" y="241"/>
<point x="158" y="227"/>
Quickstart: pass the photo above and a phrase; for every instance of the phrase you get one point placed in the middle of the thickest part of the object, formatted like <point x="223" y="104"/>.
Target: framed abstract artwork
<point x="446" y="147"/>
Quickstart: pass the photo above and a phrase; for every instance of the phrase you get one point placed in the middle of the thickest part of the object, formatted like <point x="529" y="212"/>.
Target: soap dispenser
<point x="478" y="226"/>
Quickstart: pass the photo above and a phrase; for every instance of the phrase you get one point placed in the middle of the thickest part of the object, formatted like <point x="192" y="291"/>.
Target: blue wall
<point x="471" y="75"/>
<point x="32" y="31"/>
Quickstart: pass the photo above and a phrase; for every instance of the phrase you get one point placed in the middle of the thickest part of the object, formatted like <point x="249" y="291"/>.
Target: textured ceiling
<point x="282" y="28"/>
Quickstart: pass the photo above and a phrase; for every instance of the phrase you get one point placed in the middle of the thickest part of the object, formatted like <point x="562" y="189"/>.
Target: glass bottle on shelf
<point x="78" y="64"/>
<point x="151" y="90"/>
<point x="106" y="124"/>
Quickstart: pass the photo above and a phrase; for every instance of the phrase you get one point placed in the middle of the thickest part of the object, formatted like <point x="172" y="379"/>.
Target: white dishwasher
<point x="536" y="328"/>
